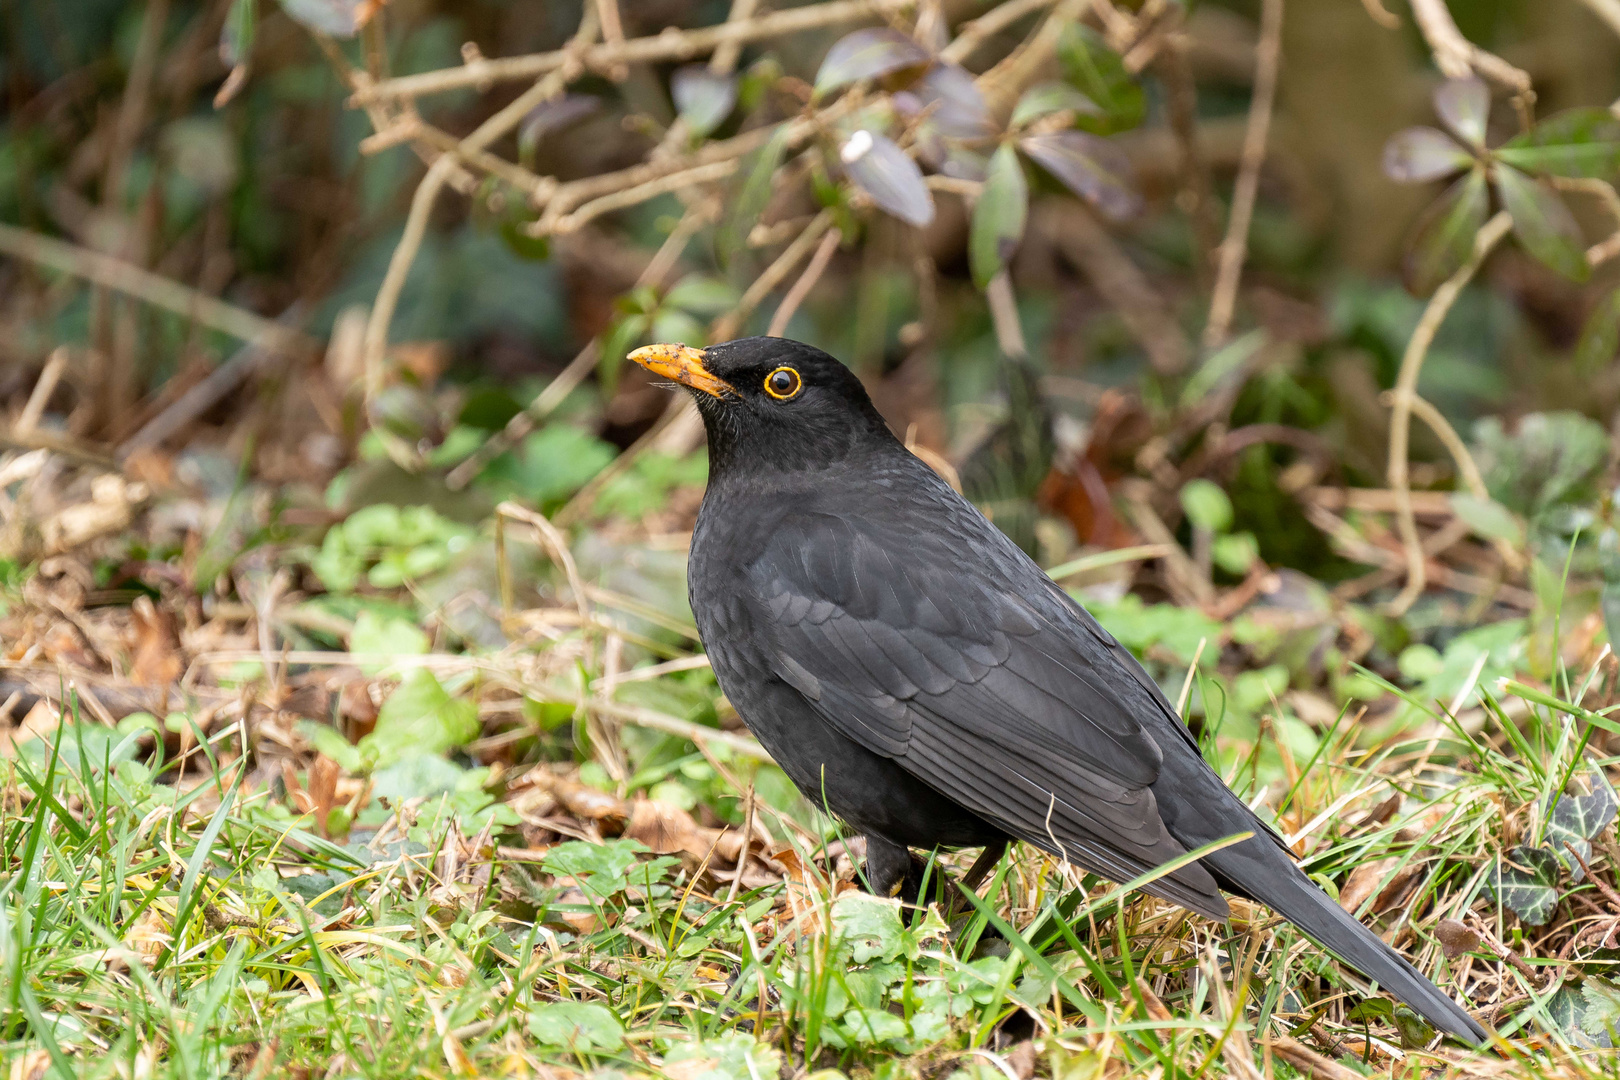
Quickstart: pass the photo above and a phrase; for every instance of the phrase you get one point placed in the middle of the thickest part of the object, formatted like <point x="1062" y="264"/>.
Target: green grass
<point x="201" y="928"/>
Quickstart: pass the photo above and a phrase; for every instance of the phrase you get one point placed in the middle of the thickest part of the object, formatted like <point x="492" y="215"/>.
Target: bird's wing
<point x="972" y="688"/>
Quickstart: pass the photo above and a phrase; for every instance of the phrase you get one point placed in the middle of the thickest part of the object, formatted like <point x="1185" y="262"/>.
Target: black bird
<point x="917" y="674"/>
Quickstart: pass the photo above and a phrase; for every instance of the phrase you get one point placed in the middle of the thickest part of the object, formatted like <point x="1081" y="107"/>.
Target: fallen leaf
<point x="1363" y="881"/>
<point x="157" y="660"/>
<point x="1455" y="938"/>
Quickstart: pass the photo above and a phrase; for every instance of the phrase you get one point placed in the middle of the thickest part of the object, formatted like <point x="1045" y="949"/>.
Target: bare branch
<point x="1405" y="392"/>
<point x="677" y="45"/>
<point x="1236" y="245"/>
<point x="1456" y="56"/>
<point x="807" y="281"/>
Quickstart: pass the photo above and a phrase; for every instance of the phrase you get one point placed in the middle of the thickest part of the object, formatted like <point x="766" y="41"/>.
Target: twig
<point x="585" y="497"/>
<point x="1457" y="57"/>
<point x="1400" y="424"/>
<point x="697" y="733"/>
<point x="1609" y="247"/>
<point x="44" y="387"/>
<point x="682" y="45"/>
<point x="1004" y="317"/>
<point x="970" y="35"/>
<point x="154" y="289"/>
<point x="558" y="389"/>
<point x="607" y="13"/>
<point x="558" y="544"/>
<point x="726" y="326"/>
<point x="807" y="281"/>
<point x="724" y="60"/>
<point x="1002" y="84"/>
<point x="1607" y="10"/>
<point x="1087" y="245"/>
<point x="212" y="390"/>
<point x="619" y="200"/>
<point x="1180" y="573"/>
<point x="382" y="310"/>
<point x="1181" y="102"/>
<point x="1236" y="245"/>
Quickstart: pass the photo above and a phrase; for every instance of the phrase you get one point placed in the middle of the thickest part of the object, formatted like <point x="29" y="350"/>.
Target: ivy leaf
<point x="1419" y="154"/>
<point x="1206" y="505"/>
<point x="1094" y="169"/>
<point x="1526" y="882"/>
<point x="703" y="98"/>
<point x="882" y="170"/>
<point x="1044" y="99"/>
<point x="579" y="1026"/>
<point x="1543" y="223"/>
<point x="1445" y="235"/>
<point x="1601" y="1017"/>
<point x="749" y="200"/>
<point x="1487" y="517"/>
<point x="1573" y="821"/>
<point x="998" y="217"/>
<point x="867" y="54"/>
<point x="1465" y="106"/>
<point x="1098" y="72"/>
<point x="1600" y="337"/>
<point x="1578" y="142"/>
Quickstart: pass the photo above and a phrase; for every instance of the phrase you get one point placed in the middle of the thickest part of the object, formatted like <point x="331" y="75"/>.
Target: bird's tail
<point x="1269" y="877"/>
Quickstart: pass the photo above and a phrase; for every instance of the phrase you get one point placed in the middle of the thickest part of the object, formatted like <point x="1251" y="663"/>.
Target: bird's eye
<point x="783" y="383"/>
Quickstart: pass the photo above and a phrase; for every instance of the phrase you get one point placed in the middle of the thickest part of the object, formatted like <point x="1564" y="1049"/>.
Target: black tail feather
<point x="1270" y="878"/>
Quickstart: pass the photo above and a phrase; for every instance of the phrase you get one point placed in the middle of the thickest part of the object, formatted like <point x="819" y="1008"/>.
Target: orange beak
<point x="682" y="363"/>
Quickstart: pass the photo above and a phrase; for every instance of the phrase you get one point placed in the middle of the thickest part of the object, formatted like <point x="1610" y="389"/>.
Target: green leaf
<point x="1601" y="1017"/>
<point x="1236" y="553"/>
<point x="1465" y="107"/>
<point x="1206" y="505"/>
<point x="1543" y="223"/>
<point x="998" y="217"/>
<point x="867" y="54"/>
<point x="386" y="637"/>
<point x="1551" y="459"/>
<point x="1578" y="143"/>
<point x="1487" y="517"/>
<point x="420" y="716"/>
<point x="868" y="928"/>
<point x="551" y="464"/>
<point x="601" y="869"/>
<point x="236" y="36"/>
<point x="701" y="294"/>
<point x="1098" y="72"/>
<point x="748" y="201"/>
<point x="329" y="741"/>
<point x="1600" y="337"/>
<point x="882" y="170"/>
<point x="1094" y="169"/>
<point x="737" y="1056"/>
<point x="704" y="98"/>
<point x="1444" y="238"/>
<point x="577" y="1026"/>
<point x="1044" y="99"/>
<point x="1526" y="882"/>
<point x="1419" y="154"/>
<point x="1577" y="819"/>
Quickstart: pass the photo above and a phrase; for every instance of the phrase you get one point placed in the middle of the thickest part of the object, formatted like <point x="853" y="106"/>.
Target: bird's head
<point x="773" y="401"/>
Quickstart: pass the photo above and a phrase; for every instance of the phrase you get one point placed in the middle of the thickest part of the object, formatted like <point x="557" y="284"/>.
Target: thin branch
<point x="724" y="60"/>
<point x="1002" y="84"/>
<point x="619" y="200"/>
<point x="1400" y="424"/>
<point x="807" y="281"/>
<point x="1457" y="57"/>
<point x="399" y="266"/>
<point x="607" y="13"/>
<point x="679" y="45"/>
<point x="970" y="35"/>
<point x="725" y="328"/>
<point x="1604" y="192"/>
<point x="1004" y="317"/>
<point x="1236" y="245"/>
<point x="154" y="289"/>
<point x="558" y="389"/>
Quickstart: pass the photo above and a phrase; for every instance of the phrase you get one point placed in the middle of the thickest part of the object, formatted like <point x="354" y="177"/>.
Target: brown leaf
<point x="157" y="660"/>
<point x="663" y="827"/>
<point x="1455" y="938"/>
<point x="1363" y="881"/>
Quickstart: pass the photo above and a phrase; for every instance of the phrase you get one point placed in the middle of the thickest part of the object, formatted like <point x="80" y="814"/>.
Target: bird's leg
<point x="985" y="863"/>
<point x="888" y="866"/>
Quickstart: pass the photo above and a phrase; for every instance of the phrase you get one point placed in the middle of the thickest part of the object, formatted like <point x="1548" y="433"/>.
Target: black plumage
<point x="917" y="674"/>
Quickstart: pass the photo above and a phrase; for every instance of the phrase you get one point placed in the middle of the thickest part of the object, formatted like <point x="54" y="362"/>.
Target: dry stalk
<point x="970" y="35"/>
<point x="1457" y="57"/>
<point x="1236" y="245"/>
<point x="382" y="311"/>
<point x="679" y="45"/>
<point x="1417" y="349"/>
<point x="807" y="281"/>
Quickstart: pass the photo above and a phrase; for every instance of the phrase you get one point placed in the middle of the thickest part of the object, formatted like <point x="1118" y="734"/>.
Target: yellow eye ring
<point x="783" y="383"/>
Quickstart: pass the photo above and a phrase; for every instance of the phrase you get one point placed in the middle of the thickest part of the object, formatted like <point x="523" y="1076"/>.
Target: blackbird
<point x="918" y="675"/>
